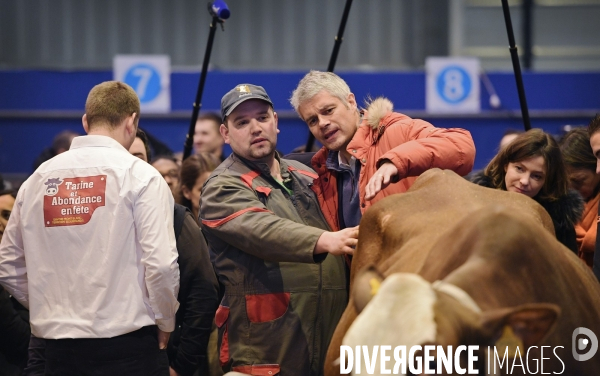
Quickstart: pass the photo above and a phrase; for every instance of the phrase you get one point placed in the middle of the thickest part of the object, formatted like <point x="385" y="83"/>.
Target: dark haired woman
<point x="581" y="171"/>
<point x="532" y="164"/>
<point x="195" y="170"/>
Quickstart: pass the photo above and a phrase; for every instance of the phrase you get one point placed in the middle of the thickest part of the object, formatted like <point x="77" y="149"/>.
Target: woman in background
<point x="532" y="164"/>
<point x="581" y="171"/>
<point x="195" y="170"/>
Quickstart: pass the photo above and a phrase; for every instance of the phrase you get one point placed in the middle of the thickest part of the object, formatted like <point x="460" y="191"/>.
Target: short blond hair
<point x="314" y="82"/>
<point x="110" y="103"/>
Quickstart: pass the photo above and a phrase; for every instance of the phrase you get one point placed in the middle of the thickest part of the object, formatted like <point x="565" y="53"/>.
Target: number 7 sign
<point x="149" y="76"/>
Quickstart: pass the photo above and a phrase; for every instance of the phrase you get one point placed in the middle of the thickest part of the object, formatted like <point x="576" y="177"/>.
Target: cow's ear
<point x="366" y="285"/>
<point x="527" y="323"/>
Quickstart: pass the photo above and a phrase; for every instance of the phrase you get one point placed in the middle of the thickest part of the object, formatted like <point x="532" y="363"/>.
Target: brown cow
<point x="497" y="263"/>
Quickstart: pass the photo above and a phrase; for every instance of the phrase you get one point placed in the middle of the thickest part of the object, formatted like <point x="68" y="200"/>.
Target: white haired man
<point x="364" y="152"/>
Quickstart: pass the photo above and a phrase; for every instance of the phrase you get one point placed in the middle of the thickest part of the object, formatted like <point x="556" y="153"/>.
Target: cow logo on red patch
<point x="52" y="186"/>
<point x="72" y="201"/>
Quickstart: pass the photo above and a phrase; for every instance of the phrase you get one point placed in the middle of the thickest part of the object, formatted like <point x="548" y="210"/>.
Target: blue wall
<point x="554" y="99"/>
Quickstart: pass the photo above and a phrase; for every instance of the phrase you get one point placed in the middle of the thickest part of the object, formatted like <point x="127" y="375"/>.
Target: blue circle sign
<point x="145" y="80"/>
<point x="453" y="84"/>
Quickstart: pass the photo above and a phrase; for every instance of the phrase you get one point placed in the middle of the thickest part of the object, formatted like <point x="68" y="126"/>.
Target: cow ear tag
<point x="510" y="340"/>
<point x="374" y="283"/>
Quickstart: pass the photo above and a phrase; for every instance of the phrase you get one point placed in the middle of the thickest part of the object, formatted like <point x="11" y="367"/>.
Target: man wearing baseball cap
<point x="284" y="274"/>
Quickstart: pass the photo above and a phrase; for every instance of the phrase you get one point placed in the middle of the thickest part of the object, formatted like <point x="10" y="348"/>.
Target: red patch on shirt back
<point x="72" y="201"/>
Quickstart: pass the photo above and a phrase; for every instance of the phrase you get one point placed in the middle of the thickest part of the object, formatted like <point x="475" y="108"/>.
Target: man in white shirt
<point x="90" y="249"/>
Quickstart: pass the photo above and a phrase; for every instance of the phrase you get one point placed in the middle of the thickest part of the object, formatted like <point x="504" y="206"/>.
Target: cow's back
<point x="398" y="233"/>
<point x="508" y="261"/>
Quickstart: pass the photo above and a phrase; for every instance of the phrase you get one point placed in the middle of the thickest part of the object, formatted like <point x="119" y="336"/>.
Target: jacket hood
<point x="566" y="211"/>
<point x="479" y="178"/>
<point x="376" y="110"/>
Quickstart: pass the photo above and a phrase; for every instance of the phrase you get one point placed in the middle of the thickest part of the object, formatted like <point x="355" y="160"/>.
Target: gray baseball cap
<point x="239" y="94"/>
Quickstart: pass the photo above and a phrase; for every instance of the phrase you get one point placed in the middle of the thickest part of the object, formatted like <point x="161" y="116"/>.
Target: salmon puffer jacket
<point x="281" y="303"/>
<point x="412" y="145"/>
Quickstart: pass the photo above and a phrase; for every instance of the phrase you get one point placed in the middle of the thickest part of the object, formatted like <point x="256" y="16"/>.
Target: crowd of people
<point x="115" y="261"/>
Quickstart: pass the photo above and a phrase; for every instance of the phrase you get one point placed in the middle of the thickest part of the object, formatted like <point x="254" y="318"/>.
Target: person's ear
<point x="130" y="124"/>
<point x="276" y="121"/>
<point x="186" y="192"/>
<point x="86" y="127"/>
<point x="352" y="101"/>
<point x="224" y="133"/>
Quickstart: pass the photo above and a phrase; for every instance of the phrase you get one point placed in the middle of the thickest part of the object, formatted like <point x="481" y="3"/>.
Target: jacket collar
<point x="96" y="141"/>
<point x="263" y="167"/>
<point x="369" y="133"/>
<point x="319" y="160"/>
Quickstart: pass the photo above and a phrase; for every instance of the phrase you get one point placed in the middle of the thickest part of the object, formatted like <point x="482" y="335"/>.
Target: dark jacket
<point x="565" y="212"/>
<point x="303" y="158"/>
<point x="198" y="298"/>
<point x="14" y="335"/>
<point x="281" y="303"/>
<point x="46" y="154"/>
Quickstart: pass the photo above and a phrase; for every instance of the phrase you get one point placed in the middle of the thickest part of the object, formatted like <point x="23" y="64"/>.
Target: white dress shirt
<point x="90" y="247"/>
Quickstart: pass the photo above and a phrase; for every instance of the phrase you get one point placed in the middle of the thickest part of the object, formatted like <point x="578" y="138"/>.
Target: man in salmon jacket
<point x="368" y="155"/>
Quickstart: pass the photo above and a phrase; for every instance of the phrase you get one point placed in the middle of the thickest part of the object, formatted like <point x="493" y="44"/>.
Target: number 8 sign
<point x="452" y="85"/>
<point x="149" y="76"/>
